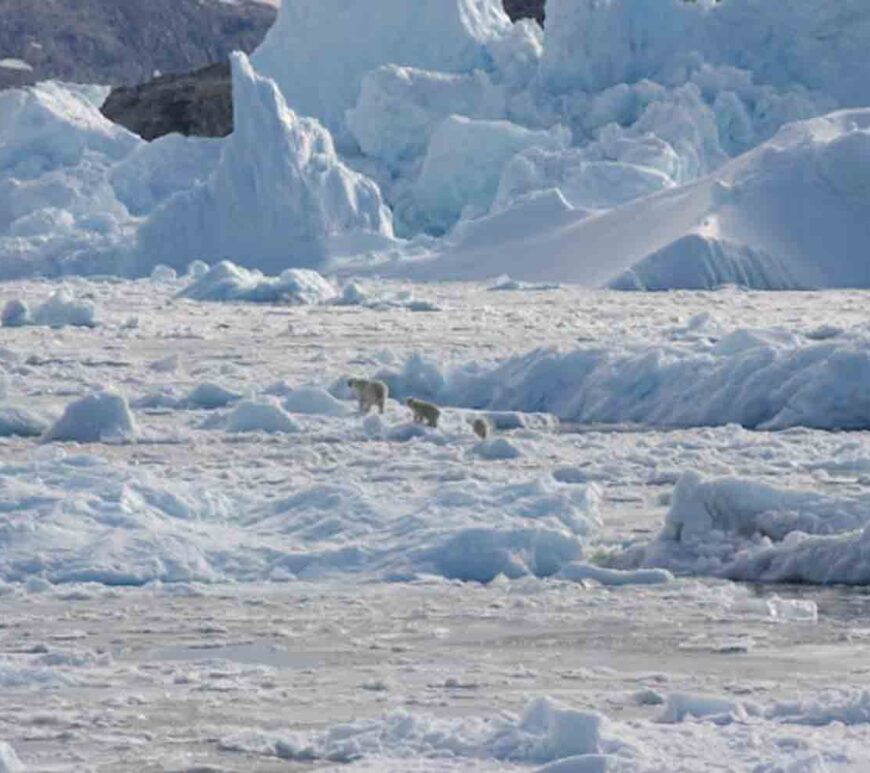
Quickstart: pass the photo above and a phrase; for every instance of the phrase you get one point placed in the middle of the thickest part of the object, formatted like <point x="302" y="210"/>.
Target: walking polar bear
<point x="482" y="427"/>
<point x="424" y="413"/>
<point x="370" y="394"/>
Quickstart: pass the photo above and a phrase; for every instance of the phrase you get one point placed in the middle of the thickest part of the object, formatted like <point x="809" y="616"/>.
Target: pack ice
<point x="632" y="145"/>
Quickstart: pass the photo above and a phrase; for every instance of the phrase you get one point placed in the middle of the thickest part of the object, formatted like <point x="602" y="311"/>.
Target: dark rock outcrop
<point x="125" y="41"/>
<point x="525" y="9"/>
<point x="199" y="103"/>
<point x="196" y="104"/>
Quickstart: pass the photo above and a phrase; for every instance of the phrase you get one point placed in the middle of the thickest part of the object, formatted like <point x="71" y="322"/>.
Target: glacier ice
<point x="618" y="146"/>
<point x="278" y="194"/>
<point x="319" y="51"/>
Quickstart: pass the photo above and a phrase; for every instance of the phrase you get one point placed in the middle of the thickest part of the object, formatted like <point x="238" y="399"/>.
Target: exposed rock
<point x="124" y="41"/>
<point x="197" y="103"/>
<point x="525" y="9"/>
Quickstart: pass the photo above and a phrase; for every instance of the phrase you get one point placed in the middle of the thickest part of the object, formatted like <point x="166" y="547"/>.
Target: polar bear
<point x="424" y="412"/>
<point x="482" y="427"/>
<point x="370" y="394"/>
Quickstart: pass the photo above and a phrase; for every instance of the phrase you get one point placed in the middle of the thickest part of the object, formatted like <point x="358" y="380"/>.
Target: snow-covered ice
<point x="332" y="589"/>
<point x="656" y="562"/>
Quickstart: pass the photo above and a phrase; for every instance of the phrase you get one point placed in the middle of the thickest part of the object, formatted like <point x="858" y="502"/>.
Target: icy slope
<point x="278" y="195"/>
<point x="792" y="213"/>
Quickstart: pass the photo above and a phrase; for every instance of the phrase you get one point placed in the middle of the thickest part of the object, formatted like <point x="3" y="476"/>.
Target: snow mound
<point x="226" y="281"/>
<point x="97" y="418"/>
<point x="208" y="396"/>
<point x="758" y="379"/>
<point x="76" y="518"/>
<point x="60" y="310"/>
<point x="497" y="449"/>
<point x="319" y="51"/>
<point x="546" y="731"/>
<point x="316" y="401"/>
<point x="277" y="197"/>
<point x="742" y="530"/>
<point x="260" y="416"/>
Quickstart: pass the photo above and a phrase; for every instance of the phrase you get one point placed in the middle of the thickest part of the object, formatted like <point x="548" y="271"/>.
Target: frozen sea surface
<point x="185" y="597"/>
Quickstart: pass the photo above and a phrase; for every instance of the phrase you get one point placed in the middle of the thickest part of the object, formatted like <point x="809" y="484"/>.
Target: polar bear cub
<point x="424" y="413"/>
<point x="370" y="394"/>
<point x="482" y="427"/>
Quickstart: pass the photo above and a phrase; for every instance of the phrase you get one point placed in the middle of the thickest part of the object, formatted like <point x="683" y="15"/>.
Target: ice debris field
<point x="658" y="561"/>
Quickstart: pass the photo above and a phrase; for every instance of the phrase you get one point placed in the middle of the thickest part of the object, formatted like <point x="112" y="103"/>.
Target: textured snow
<point x="745" y="530"/>
<point x="226" y="281"/>
<point x="768" y="379"/>
<point x="416" y="599"/>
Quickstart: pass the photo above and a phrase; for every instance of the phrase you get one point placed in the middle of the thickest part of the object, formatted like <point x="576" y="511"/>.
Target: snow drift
<point x="758" y="379"/>
<point x="789" y="214"/>
<point x="80" y="518"/>
<point x="743" y="530"/>
<point x="96" y="418"/>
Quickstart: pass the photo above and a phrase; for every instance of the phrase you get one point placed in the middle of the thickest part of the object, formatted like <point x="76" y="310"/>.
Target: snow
<point x="96" y="418"/>
<point x="758" y="379"/>
<point x="312" y="400"/>
<point x="546" y="731"/>
<point x="59" y="310"/>
<point x="667" y="533"/>
<point x="209" y="396"/>
<point x="746" y="530"/>
<point x="259" y="416"/>
<point x="15" y="64"/>
<point x="226" y="281"/>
